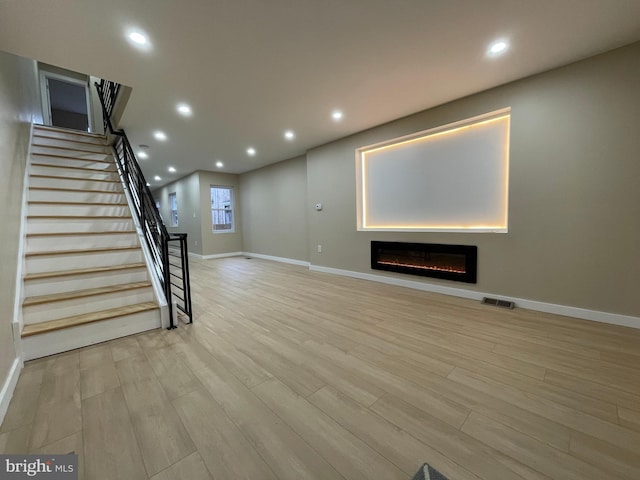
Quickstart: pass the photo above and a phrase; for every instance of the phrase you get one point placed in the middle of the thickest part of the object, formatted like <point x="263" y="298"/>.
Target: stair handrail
<point x="155" y="233"/>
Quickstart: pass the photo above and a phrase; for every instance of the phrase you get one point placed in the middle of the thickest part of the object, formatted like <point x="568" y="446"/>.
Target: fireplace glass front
<point x="450" y="262"/>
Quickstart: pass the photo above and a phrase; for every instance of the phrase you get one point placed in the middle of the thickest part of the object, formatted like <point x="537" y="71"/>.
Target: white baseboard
<point x="291" y="261"/>
<point x="249" y="254"/>
<point x="9" y="386"/>
<point x="593" y="315"/>
<point x="216" y="255"/>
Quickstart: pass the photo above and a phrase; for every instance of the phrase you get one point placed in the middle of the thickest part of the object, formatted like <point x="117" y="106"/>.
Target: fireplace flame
<point x="423" y="267"/>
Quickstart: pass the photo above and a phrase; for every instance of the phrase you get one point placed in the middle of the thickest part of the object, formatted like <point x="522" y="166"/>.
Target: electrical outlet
<point x="196" y="243"/>
<point x="319" y="248"/>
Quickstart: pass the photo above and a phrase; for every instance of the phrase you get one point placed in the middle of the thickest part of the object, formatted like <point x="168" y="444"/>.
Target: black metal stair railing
<point x="179" y="273"/>
<point x="108" y="92"/>
<point x="168" y="251"/>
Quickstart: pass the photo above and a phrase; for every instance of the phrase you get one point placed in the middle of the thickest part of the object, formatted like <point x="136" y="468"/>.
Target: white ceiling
<point x="251" y="69"/>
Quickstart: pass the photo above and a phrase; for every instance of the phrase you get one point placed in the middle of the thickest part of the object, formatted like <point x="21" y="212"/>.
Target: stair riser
<point x="53" y="263"/>
<point x="68" y="242"/>
<point x="79" y="210"/>
<point x="40" y="133"/>
<point x="73" y="173"/>
<point x="48" y="286"/>
<point x="79" y="183"/>
<point x="66" y="196"/>
<point x="72" y="162"/>
<point x="70" y="145"/>
<point x="104" y="155"/>
<point x="78" y="306"/>
<point x="38" y="346"/>
<point x="70" y="224"/>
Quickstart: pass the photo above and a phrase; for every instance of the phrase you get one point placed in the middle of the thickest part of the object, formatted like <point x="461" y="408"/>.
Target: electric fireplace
<point x="450" y="262"/>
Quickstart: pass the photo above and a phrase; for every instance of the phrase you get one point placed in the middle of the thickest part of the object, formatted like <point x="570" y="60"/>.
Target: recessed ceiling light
<point x="251" y="151"/>
<point x="159" y="135"/>
<point x="148" y="184"/>
<point x="497" y="48"/>
<point x="219" y="164"/>
<point x="184" y="109"/>
<point x="289" y="135"/>
<point x="157" y="178"/>
<point x="138" y="38"/>
<point x="337" y="115"/>
<point x="172" y="169"/>
<point x="143" y="155"/>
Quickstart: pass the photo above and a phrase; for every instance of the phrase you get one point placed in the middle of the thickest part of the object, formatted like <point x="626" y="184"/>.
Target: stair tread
<point x="72" y="149"/>
<point x="58" y="297"/>
<point x="62" y="189"/>
<point x="53" y="202"/>
<point x="72" y="178"/>
<point x="70" y="167"/>
<point x="84" y="271"/>
<point x="76" y="217"/>
<point x="50" y="128"/>
<point x="81" y="251"/>
<point x="86" y="318"/>
<point x="73" y="234"/>
<point x="76" y="158"/>
<point x="60" y="139"/>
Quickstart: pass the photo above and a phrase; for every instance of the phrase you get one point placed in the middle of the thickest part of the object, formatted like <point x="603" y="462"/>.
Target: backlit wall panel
<point x="453" y="178"/>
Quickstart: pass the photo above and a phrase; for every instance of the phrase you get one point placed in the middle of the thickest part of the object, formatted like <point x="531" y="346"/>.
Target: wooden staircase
<point x="86" y="280"/>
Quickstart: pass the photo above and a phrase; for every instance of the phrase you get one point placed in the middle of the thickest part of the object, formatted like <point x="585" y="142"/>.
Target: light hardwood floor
<point x="290" y="374"/>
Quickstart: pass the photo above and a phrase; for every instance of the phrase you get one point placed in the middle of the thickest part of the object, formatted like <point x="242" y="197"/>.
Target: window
<point x="173" y="205"/>
<point x="222" y="209"/>
<point x="454" y="178"/>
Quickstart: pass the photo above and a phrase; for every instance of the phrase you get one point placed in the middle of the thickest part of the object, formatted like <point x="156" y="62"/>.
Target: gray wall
<point x="217" y="243"/>
<point x="19" y="103"/>
<point x="186" y="190"/>
<point x="194" y="212"/>
<point x="574" y="203"/>
<point x="274" y="213"/>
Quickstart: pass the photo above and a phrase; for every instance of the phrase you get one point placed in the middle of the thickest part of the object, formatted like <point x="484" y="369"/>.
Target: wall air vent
<point x="498" y="303"/>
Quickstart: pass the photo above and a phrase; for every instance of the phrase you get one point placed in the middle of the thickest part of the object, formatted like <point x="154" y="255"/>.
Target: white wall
<point x="19" y="104"/>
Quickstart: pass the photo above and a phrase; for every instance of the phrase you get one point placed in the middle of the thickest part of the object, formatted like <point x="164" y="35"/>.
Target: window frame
<point x="173" y="214"/>
<point x="231" y="209"/>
